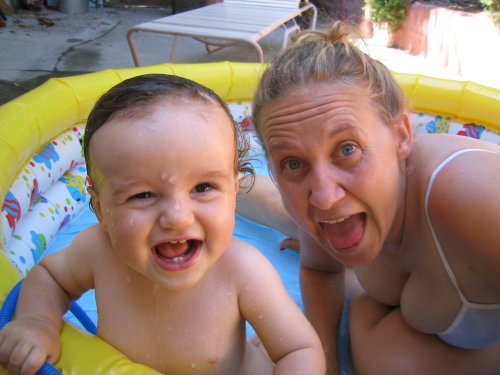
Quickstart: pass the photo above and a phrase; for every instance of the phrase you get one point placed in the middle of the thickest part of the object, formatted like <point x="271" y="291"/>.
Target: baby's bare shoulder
<point x="243" y="254"/>
<point x="90" y="244"/>
<point x="243" y="262"/>
<point x="90" y="241"/>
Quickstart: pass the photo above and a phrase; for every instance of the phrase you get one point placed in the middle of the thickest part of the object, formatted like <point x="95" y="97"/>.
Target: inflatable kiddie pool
<point x="42" y="172"/>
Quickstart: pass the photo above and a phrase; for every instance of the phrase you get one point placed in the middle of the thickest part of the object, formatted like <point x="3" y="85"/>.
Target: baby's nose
<point x="176" y="213"/>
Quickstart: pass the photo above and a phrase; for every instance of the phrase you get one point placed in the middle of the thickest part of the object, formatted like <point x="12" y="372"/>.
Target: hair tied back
<point x="340" y="32"/>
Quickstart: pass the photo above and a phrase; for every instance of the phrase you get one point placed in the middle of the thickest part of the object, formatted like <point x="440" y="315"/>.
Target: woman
<point x="415" y="217"/>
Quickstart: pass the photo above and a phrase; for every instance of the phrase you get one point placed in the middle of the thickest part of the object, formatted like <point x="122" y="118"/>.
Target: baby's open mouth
<point x="177" y="252"/>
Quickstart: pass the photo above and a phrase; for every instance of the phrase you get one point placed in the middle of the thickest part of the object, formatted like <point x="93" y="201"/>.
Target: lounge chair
<point x="230" y="22"/>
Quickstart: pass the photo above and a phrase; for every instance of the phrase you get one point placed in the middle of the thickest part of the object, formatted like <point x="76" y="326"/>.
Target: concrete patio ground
<point x="35" y="46"/>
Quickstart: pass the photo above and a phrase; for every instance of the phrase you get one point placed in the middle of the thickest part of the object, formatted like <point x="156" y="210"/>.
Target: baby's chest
<point x="199" y="335"/>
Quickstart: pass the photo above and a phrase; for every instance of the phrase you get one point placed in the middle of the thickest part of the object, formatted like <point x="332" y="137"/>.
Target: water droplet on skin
<point x="131" y="221"/>
<point x="128" y="279"/>
<point x="177" y="205"/>
<point x="158" y="338"/>
<point x="172" y="178"/>
<point x="163" y="176"/>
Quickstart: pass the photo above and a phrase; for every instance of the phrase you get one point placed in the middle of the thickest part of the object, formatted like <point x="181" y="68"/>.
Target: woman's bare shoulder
<point x="439" y="146"/>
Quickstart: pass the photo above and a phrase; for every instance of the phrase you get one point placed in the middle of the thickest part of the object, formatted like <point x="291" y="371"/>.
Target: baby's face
<point x="167" y="189"/>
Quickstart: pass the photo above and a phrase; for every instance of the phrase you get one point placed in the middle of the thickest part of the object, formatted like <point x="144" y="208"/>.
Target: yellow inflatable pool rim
<point x="29" y="122"/>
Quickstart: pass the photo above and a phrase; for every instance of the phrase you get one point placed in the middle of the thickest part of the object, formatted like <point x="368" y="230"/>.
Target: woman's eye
<point x="203" y="188"/>
<point x="348" y="149"/>
<point x="292" y="164"/>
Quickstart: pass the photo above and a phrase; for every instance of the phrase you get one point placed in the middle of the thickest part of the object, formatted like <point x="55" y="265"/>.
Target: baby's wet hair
<point x="132" y="97"/>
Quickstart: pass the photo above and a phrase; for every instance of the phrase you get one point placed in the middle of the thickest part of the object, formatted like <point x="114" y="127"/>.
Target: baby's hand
<point x="26" y="343"/>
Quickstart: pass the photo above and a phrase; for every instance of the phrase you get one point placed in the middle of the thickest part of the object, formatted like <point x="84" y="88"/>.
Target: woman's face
<point x="338" y="168"/>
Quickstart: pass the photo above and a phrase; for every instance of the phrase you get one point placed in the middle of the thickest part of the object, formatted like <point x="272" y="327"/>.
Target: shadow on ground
<point x="12" y="89"/>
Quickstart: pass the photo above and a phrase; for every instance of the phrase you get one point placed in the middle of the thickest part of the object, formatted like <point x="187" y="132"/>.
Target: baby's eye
<point x="347" y="149"/>
<point x="203" y="187"/>
<point x="292" y="164"/>
<point x="143" y="195"/>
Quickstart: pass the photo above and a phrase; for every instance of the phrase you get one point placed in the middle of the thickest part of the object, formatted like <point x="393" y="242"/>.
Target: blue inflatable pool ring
<point x="9" y="307"/>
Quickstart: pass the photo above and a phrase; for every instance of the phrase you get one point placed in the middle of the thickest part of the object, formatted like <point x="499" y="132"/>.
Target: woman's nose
<point x="325" y="190"/>
<point x="176" y="213"/>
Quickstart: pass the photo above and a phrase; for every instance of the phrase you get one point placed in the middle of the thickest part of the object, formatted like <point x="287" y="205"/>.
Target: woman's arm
<point x="322" y="285"/>
<point x="262" y="203"/>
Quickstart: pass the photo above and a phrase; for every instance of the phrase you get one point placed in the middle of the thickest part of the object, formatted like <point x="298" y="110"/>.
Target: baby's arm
<point x="285" y="332"/>
<point x="33" y="336"/>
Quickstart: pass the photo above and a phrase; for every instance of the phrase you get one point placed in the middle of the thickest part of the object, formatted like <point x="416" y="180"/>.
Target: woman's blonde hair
<point x="330" y="57"/>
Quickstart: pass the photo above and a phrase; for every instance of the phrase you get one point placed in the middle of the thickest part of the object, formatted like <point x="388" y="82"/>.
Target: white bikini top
<point x="476" y="325"/>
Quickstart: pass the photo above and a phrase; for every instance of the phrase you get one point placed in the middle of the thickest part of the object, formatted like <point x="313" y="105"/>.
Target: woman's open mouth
<point x="177" y="255"/>
<point x="345" y="233"/>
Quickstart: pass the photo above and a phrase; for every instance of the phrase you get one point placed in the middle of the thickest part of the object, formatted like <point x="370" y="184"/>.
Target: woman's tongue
<point x="346" y="234"/>
<point x="170" y="250"/>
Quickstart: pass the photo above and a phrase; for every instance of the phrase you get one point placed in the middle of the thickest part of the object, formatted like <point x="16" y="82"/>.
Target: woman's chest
<point x="417" y="281"/>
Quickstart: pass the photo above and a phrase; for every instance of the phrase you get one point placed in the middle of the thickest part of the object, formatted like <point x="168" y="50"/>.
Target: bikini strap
<point x="444" y="260"/>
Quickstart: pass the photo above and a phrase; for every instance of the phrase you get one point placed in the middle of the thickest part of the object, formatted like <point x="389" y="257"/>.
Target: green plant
<point x="493" y="6"/>
<point x="391" y="12"/>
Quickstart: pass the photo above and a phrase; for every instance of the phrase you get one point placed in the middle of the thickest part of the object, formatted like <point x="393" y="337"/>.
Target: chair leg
<point x="314" y="18"/>
<point x="174" y="48"/>
<point x="258" y="48"/>
<point x="133" y="49"/>
<point x="292" y="27"/>
<point x="211" y="48"/>
<point x="135" y="54"/>
<point x="212" y="45"/>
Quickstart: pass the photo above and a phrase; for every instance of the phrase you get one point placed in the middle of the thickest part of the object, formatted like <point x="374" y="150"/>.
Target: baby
<point x="173" y="287"/>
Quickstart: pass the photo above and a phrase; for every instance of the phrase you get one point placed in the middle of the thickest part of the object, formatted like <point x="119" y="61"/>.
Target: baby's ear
<point x="95" y="203"/>
<point x="404" y="133"/>
<point x="238" y="180"/>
